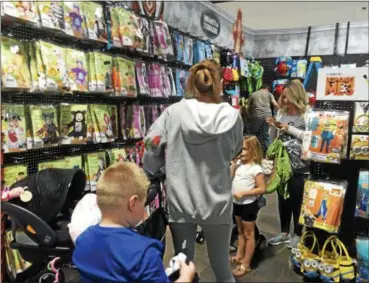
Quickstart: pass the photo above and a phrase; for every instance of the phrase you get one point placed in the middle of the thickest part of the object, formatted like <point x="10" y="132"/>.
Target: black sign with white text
<point x="210" y="24"/>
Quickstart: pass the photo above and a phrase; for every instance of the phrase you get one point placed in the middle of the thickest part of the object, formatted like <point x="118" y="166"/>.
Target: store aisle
<point x="273" y="267"/>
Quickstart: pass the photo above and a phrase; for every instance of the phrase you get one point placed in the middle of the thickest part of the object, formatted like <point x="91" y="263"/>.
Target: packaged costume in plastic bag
<point x="94" y="167"/>
<point x="14" y="58"/>
<point x="74" y="19"/>
<point x="73" y="123"/>
<point x="104" y="123"/>
<point x="208" y="51"/>
<point x="145" y="42"/>
<point x="165" y="81"/>
<point x="278" y="85"/>
<point x="359" y="149"/>
<point x="162" y="39"/>
<point x="73" y="162"/>
<point x="169" y="72"/>
<point x="31" y="50"/>
<point x="94" y="21"/>
<point x="125" y="82"/>
<point x="130" y="33"/>
<point x="45" y="130"/>
<point x="142" y="78"/>
<point x="181" y="81"/>
<point x="326" y="137"/>
<point x="116" y="155"/>
<point x="199" y="51"/>
<point x="22" y="10"/>
<point x="91" y="72"/>
<point x="361" y="117"/>
<point x="362" y="197"/>
<point x="188" y="51"/>
<point x="103" y="68"/>
<point x="216" y="53"/>
<point x="155" y="84"/>
<point x="51" y="14"/>
<point x="13" y="127"/>
<point x="282" y="67"/>
<point x="138" y="128"/>
<point x="179" y="45"/>
<point x="77" y="70"/>
<point x="322" y="204"/>
<point x="14" y="174"/>
<point x="298" y="68"/>
<point x="115" y="38"/>
<point x="362" y="251"/>
<point x="123" y="112"/>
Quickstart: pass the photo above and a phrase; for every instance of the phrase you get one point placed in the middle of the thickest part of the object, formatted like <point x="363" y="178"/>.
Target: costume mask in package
<point x="73" y="19"/>
<point x="362" y="197"/>
<point x="199" y="51"/>
<point x="155" y="84"/>
<point x="22" y="10"/>
<point x="162" y="38"/>
<point x="14" y="174"/>
<point x="60" y="164"/>
<point x="54" y="65"/>
<point x="126" y="77"/>
<point x="142" y="78"/>
<point x="104" y="124"/>
<point x="13" y="128"/>
<point x="94" y="20"/>
<point x="77" y="70"/>
<point x="15" y="73"/>
<point x="282" y="67"/>
<point x="361" y="117"/>
<point x="130" y="33"/>
<point x="179" y="45"/>
<point x="103" y="68"/>
<point x="45" y="130"/>
<point x="116" y="155"/>
<point x="188" y="51"/>
<point x="145" y="42"/>
<point x="362" y="251"/>
<point x="96" y="163"/>
<point x="73" y="123"/>
<point x="322" y="205"/>
<point x="51" y="14"/>
<point x="73" y="162"/>
<point x="181" y="82"/>
<point x="326" y="137"/>
<point x="359" y="147"/>
<point x="91" y="73"/>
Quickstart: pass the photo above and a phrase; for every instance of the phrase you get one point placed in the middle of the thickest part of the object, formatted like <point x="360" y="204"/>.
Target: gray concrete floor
<point x="272" y="267"/>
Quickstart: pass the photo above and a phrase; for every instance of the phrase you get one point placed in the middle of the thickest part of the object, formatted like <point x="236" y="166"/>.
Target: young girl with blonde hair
<point x="289" y="126"/>
<point x="248" y="184"/>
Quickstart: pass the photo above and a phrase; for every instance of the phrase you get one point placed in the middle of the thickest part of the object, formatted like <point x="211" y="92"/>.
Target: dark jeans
<point x="292" y="205"/>
<point x="259" y="126"/>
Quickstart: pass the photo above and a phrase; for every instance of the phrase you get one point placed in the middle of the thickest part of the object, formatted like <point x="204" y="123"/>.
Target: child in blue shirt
<point x="112" y="251"/>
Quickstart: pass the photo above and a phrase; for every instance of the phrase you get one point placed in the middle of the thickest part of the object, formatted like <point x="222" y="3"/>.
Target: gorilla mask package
<point x="322" y="204"/>
<point x="15" y="73"/>
<point x="45" y="131"/>
<point x="73" y="123"/>
<point x="326" y="137"/>
<point x="13" y="127"/>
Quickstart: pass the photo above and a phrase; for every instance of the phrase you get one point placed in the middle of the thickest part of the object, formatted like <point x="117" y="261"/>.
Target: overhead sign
<point x="210" y="24"/>
<point x="350" y="84"/>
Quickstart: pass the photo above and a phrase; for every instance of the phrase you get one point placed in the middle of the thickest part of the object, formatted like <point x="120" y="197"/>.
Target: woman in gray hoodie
<point x="201" y="135"/>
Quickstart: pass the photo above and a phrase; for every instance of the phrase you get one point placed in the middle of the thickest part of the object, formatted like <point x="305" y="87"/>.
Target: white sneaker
<point x="293" y="244"/>
<point x="281" y="238"/>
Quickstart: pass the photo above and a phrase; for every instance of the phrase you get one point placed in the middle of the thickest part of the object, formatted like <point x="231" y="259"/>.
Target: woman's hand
<point x="239" y="195"/>
<point x="187" y="272"/>
<point x="283" y="127"/>
<point x="270" y="121"/>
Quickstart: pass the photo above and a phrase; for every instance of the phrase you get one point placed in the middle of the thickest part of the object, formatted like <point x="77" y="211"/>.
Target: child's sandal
<point x="235" y="260"/>
<point x="240" y="270"/>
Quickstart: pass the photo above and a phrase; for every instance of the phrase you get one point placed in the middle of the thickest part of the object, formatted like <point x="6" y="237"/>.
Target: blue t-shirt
<point x="109" y="254"/>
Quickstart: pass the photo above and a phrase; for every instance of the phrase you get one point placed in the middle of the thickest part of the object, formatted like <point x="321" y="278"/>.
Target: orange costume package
<point x="326" y="137"/>
<point x="322" y="204"/>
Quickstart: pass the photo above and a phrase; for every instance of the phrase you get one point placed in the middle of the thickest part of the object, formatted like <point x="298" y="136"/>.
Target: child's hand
<point x="239" y="195"/>
<point x="187" y="272"/>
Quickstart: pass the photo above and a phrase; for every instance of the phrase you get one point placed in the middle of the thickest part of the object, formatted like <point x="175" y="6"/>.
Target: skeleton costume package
<point x="73" y="123"/>
<point x="45" y="131"/>
<point x="145" y="42"/>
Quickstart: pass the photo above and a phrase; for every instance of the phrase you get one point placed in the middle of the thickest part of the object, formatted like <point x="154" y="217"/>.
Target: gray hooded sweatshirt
<point x="201" y="139"/>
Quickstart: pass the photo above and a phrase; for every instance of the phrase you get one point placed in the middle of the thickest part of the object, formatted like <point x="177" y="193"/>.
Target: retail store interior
<point x="184" y="141"/>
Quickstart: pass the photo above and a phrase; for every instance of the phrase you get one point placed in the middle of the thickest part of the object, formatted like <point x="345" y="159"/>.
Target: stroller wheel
<point x="263" y="242"/>
<point x="47" y="278"/>
<point x="200" y="238"/>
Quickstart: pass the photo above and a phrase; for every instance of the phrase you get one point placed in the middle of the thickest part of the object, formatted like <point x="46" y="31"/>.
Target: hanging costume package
<point x="74" y="20"/>
<point x="138" y="128"/>
<point x="362" y="251"/>
<point x="14" y="174"/>
<point x="115" y="38"/>
<point x="73" y="162"/>
<point x="125" y="80"/>
<point x="362" y="197"/>
<point x="165" y="81"/>
<point x="103" y="69"/>
<point x="130" y="33"/>
<point x="15" y="73"/>
<point x="322" y="204"/>
<point x="95" y="164"/>
<point x="20" y="10"/>
<point x="278" y="85"/>
<point x="155" y="84"/>
<point x="188" y="51"/>
<point x="59" y="163"/>
<point x="123" y="112"/>
<point x="199" y="51"/>
<point x="169" y="72"/>
<point x="51" y="14"/>
<point x="298" y="68"/>
<point x="77" y="70"/>
<point x="145" y="42"/>
<point x="116" y="155"/>
<point x="162" y="39"/>
<point x="31" y="49"/>
<point x="179" y="45"/>
<point x="102" y="115"/>
<point x="359" y="149"/>
<point x="113" y="114"/>
<point x="45" y="130"/>
<point x="142" y="78"/>
<point x="216" y="53"/>
<point x="94" y="21"/>
<point x="208" y="51"/>
<point x="13" y="127"/>
<point x="91" y="72"/>
<point x="361" y="117"/>
<point x="326" y="137"/>
<point x="53" y="71"/>
<point x="282" y="67"/>
<point x="181" y="82"/>
<point x="73" y="123"/>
